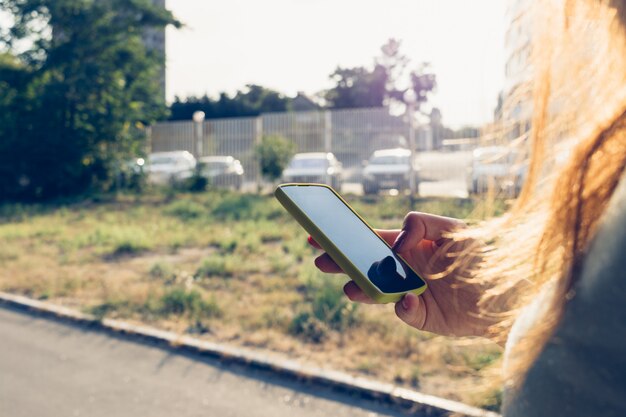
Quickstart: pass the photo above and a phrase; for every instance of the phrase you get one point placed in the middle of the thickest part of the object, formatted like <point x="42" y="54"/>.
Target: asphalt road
<point x="52" y="369"/>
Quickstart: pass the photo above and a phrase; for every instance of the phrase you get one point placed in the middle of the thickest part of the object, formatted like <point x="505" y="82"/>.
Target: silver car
<point x="169" y="167"/>
<point x="500" y="167"/>
<point x="389" y="169"/>
<point x="315" y="167"/>
<point x="222" y="171"/>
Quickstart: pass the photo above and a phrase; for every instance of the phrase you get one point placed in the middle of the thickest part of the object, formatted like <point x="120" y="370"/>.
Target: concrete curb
<point x="426" y="404"/>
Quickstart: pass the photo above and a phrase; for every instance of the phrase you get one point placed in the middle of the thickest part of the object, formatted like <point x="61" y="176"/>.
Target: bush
<point x="129" y="247"/>
<point x="180" y="301"/>
<point x="186" y="210"/>
<point x="126" y="243"/>
<point x="305" y="325"/>
<point x="326" y="310"/>
<point x="235" y="207"/>
<point x="161" y="270"/>
<point x="197" y="182"/>
<point x="331" y="307"/>
<point x="215" y="266"/>
<point x="274" y="153"/>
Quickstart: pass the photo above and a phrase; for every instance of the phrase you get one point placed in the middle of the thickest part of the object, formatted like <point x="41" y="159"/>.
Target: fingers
<point x="326" y="264"/>
<point x="419" y="226"/>
<point x="354" y="293"/>
<point x="411" y="310"/>
<point x="313" y="243"/>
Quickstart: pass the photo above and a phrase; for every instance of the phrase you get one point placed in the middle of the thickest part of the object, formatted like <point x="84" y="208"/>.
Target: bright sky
<point x="293" y="45"/>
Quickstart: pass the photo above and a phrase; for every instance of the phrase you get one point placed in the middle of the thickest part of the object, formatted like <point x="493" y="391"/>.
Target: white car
<point x="389" y="169"/>
<point x="222" y="171"/>
<point x="500" y="167"/>
<point x="169" y="167"/>
<point x="315" y="167"/>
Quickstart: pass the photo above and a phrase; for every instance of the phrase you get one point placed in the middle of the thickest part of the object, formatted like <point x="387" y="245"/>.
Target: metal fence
<point x="352" y="135"/>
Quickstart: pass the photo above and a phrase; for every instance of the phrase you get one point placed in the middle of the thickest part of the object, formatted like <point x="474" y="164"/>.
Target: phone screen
<point x="360" y="244"/>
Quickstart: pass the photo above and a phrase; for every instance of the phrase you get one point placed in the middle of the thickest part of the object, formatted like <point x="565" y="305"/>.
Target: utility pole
<point x="410" y="98"/>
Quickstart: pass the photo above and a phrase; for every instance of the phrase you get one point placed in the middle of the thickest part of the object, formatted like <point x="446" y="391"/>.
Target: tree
<point x="251" y="101"/>
<point x="274" y="153"/>
<point x="357" y="87"/>
<point x="384" y="84"/>
<point x="80" y="95"/>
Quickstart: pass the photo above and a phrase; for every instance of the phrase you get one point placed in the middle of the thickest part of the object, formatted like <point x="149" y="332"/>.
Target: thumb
<point x="412" y="310"/>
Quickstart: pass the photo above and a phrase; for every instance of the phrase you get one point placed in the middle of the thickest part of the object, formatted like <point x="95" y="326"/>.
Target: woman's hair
<point x="577" y="144"/>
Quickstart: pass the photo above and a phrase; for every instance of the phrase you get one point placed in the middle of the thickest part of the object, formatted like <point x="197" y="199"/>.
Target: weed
<point x="367" y="367"/>
<point x="179" y="302"/>
<point x="228" y="245"/>
<point x="186" y="210"/>
<point x="129" y="247"/>
<point x="491" y="400"/>
<point x="235" y="207"/>
<point x="331" y="306"/>
<point x="409" y="376"/>
<point x="220" y="266"/>
<point x="161" y="270"/>
<point x="481" y="360"/>
<point x="104" y="309"/>
<point x="280" y="264"/>
<point x="274" y="318"/>
<point x="307" y="326"/>
<point x="326" y="308"/>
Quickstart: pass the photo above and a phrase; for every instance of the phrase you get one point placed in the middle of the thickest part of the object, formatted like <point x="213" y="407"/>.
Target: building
<point x="517" y="96"/>
<point x="154" y="39"/>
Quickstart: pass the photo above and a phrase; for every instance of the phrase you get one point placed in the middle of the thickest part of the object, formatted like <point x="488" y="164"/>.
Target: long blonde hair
<point x="578" y="154"/>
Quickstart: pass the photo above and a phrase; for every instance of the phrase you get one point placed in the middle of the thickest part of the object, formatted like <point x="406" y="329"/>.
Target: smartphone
<point x="362" y="254"/>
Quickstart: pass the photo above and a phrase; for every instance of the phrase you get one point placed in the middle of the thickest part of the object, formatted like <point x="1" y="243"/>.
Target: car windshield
<point x="162" y="160"/>
<point x="217" y="165"/>
<point x="309" y="163"/>
<point x="390" y="160"/>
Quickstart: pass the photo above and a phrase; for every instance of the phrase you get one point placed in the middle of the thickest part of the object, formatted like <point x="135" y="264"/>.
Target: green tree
<point x="79" y="95"/>
<point x="274" y="153"/>
<point x="358" y="87"/>
<point x="385" y="83"/>
<point x="250" y="101"/>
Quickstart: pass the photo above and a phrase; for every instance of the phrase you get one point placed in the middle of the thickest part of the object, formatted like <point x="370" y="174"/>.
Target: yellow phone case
<point x="343" y="261"/>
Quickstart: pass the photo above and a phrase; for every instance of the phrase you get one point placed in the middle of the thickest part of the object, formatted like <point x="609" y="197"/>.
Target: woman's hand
<point x="449" y="306"/>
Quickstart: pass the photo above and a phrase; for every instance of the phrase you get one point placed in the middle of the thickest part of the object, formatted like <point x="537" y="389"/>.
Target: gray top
<point x="582" y="370"/>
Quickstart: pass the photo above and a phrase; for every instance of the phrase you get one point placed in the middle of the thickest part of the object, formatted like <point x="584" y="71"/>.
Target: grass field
<point x="233" y="268"/>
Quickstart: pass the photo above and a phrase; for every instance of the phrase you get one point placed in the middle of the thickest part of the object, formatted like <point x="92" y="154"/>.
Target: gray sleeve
<point x="582" y="370"/>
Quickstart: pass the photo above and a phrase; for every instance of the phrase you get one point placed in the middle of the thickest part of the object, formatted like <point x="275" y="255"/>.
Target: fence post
<point x="328" y="131"/>
<point x="198" y="120"/>
<point x="258" y="138"/>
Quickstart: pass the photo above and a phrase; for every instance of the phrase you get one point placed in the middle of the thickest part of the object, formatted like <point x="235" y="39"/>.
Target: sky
<point x="293" y="45"/>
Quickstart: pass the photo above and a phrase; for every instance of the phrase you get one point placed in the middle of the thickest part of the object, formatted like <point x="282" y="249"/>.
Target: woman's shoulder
<point x="582" y="369"/>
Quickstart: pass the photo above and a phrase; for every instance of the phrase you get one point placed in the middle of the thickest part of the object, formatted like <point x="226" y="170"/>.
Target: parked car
<point x="389" y="169"/>
<point x="315" y="167"/>
<point x="222" y="171"/>
<point x="501" y="166"/>
<point x="169" y="167"/>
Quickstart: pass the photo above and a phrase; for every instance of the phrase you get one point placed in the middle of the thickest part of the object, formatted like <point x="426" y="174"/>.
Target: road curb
<point x="428" y="405"/>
